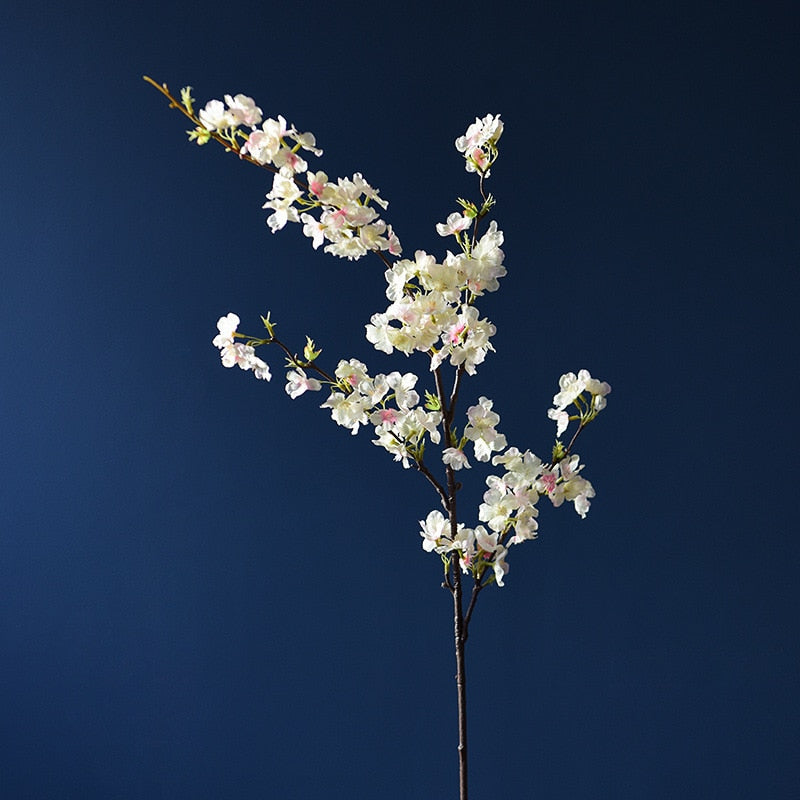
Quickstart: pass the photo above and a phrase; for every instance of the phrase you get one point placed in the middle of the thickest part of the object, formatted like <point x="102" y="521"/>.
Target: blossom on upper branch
<point x="269" y="146"/>
<point x="455" y="224"/>
<point x="465" y="341"/>
<point x="297" y="383"/>
<point x="479" y="143"/>
<point x="243" y="110"/>
<point x="481" y="430"/>
<point x="237" y="353"/>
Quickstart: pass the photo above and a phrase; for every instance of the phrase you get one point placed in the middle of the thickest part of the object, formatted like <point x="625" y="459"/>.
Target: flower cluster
<point x="476" y="548"/>
<point x="346" y="219"/>
<point x="390" y="404"/>
<point x="479" y="143"/>
<point x="241" y="110"/>
<point x="268" y="145"/>
<point x="237" y="353"/>
<point x="573" y="390"/>
<point x="509" y="505"/>
<point x="431" y="303"/>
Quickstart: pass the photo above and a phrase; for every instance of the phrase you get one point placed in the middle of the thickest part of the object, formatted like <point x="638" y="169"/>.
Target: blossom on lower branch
<point x="390" y="403"/>
<point x="477" y="549"/>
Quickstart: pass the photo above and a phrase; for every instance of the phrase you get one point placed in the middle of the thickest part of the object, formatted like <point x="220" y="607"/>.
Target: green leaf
<point x="308" y="351"/>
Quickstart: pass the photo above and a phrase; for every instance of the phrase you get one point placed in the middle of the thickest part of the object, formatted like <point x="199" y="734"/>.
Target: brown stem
<point x="461" y="681"/>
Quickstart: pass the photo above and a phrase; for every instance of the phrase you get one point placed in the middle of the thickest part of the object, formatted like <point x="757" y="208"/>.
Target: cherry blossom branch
<point x="433" y="310"/>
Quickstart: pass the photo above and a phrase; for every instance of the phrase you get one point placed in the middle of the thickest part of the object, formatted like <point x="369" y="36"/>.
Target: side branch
<point x="475" y="592"/>
<point x="173" y="103"/>
<point x="436" y="485"/>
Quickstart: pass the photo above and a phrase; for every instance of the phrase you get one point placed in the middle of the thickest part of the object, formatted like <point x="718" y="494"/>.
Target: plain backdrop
<point x="211" y="591"/>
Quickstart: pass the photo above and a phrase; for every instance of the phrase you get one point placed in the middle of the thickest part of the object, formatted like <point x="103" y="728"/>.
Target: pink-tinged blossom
<point x="394" y="247"/>
<point x="384" y="417"/>
<point x="483" y="131"/>
<point x="261" y="147"/>
<point x="289" y="162"/>
<point x="488" y="542"/>
<point x="297" y="383"/>
<point x="547" y="482"/>
<point x="237" y="354"/>
<point x="353" y="373"/>
<point x="358" y="215"/>
<point x="479" y="143"/>
<point x="243" y="110"/>
<point x="316" y="183"/>
<point x="455" y="458"/>
<point x="466" y="341"/>
<point x="464" y="545"/>
<point x="455" y="223"/>
<point x="244" y="357"/>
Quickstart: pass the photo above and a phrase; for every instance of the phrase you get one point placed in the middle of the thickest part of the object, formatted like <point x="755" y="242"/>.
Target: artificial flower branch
<point x="432" y="310"/>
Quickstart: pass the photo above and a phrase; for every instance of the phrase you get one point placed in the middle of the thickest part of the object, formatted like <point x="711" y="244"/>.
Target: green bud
<point x="470" y="209"/>
<point x="487" y="206"/>
<point x="187" y="99"/>
<point x="200" y="135"/>
<point x="559" y="452"/>
<point x="432" y="402"/>
<point x="269" y="325"/>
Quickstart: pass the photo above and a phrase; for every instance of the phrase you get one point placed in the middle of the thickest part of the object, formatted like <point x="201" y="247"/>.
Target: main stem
<point x="461" y="681"/>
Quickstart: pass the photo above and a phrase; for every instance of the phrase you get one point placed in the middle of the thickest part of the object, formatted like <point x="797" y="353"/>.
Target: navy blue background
<point x="211" y="591"/>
